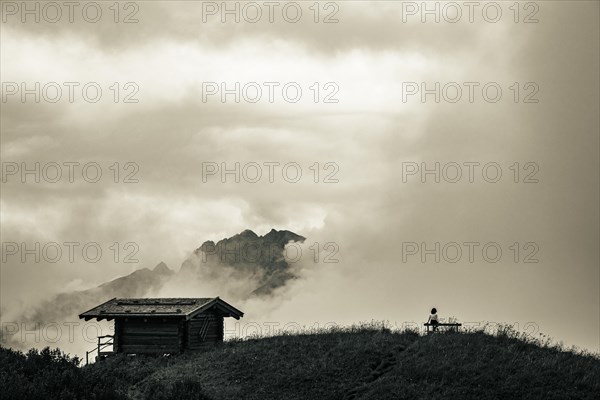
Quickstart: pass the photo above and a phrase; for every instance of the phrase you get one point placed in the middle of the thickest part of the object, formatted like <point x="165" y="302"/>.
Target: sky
<point x="483" y="203"/>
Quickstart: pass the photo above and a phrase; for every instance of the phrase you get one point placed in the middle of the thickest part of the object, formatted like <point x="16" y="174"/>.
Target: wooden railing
<point x="103" y="343"/>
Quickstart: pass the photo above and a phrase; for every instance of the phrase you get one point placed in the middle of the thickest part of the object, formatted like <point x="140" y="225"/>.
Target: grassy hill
<point x="354" y="363"/>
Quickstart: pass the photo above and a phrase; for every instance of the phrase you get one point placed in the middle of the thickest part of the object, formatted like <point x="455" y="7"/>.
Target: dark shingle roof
<point x="159" y="307"/>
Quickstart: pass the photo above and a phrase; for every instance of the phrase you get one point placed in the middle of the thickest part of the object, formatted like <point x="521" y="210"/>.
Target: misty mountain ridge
<point x="66" y="305"/>
<point x="244" y="253"/>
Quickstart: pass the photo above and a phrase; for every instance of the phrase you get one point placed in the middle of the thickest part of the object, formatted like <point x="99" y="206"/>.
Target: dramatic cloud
<point x="171" y="133"/>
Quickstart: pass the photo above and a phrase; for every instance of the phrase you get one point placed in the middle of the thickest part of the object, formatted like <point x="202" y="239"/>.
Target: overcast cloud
<point x="369" y="133"/>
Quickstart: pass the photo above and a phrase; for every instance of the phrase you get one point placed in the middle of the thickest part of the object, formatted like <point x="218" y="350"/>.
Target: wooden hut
<point x="163" y="325"/>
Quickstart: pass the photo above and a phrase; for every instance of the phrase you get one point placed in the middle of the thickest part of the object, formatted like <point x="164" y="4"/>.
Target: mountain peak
<point x="283" y="237"/>
<point x="162" y="268"/>
<point x="248" y="234"/>
<point x="248" y="253"/>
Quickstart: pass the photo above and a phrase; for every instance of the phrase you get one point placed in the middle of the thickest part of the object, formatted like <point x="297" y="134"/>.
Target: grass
<point x="360" y="362"/>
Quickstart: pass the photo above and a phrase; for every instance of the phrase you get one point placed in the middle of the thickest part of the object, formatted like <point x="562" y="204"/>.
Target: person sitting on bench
<point x="433" y="319"/>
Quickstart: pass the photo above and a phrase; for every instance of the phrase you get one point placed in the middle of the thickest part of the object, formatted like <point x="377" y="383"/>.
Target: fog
<point x="159" y="202"/>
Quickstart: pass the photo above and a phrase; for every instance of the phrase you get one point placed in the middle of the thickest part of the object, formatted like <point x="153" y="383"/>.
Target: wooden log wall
<point x="149" y="335"/>
<point x="214" y="332"/>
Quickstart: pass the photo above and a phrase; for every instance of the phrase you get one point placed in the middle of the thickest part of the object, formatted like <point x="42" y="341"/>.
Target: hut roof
<point x="159" y="307"/>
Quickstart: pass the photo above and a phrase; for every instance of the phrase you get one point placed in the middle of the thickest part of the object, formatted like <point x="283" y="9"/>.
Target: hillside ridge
<point x="362" y="362"/>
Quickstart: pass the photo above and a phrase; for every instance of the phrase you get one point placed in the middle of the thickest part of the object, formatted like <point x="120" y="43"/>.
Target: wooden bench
<point x="431" y="328"/>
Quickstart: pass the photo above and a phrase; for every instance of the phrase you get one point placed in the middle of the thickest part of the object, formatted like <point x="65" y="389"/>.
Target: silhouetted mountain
<point x="246" y="253"/>
<point x="136" y="284"/>
<point x="255" y="263"/>
<point x="259" y="256"/>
